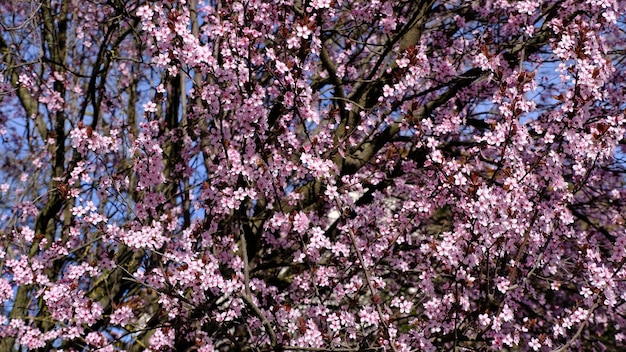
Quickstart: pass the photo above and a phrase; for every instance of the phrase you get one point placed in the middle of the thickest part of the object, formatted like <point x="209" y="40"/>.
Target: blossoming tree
<point x="312" y="175"/>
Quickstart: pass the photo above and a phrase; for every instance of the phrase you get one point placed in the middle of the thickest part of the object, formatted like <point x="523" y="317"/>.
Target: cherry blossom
<point x="326" y="174"/>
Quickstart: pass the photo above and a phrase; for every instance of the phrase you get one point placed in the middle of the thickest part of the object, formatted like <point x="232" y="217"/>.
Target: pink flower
<point x="302" y="31"/>
<point x="368" y="316"/>
<point x="534" y="344"/>
<point x="6" y="291"/>
<point x="122" y="316"/>
<point x="95" y="339"/>
<point x="162" y="338"/>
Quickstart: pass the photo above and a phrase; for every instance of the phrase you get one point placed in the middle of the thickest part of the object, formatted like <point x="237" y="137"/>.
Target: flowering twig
<point x="371" y="288"/>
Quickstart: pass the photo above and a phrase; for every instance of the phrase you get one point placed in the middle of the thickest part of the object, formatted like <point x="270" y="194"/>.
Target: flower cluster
<point x="324" y="174"/>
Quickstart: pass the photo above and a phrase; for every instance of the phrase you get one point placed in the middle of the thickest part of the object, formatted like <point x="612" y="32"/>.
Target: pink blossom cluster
<point x="317" y="175"/>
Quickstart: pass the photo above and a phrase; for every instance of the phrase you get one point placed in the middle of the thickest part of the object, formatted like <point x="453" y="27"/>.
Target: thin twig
<point x="371" y="288"/>
<point x="247" y="295"/>
<point x="579" y="331"/>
